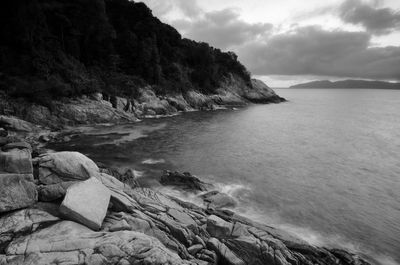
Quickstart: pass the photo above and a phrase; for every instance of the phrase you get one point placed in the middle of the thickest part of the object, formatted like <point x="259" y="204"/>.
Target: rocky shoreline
<point x="63" y="208"/>
<point x="101" y="108"/>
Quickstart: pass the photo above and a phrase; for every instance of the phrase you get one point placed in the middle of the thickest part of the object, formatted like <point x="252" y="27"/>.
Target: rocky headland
<point x="63" y="208"/>
<point x="64" y="63"/>
<point x="99" y="108"/>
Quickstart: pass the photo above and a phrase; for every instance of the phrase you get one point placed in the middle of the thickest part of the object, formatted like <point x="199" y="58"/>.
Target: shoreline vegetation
<point x="121" y="222"/>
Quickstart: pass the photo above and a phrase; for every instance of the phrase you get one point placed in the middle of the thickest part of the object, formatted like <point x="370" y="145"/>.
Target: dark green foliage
<point x="57" y="48"/>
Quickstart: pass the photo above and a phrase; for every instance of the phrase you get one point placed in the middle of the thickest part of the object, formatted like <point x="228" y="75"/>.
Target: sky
<point x="287" y="42"/>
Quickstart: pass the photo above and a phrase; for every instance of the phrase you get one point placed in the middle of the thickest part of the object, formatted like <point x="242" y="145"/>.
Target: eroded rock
<point x="142" y="226"/>
<point x="52" y="192"/>
<point x="16" y="191"/>
<point x="224" y="252"/>
<point x="183" y="180"/>
<point x="70" y="243"/>
<point x="216" y="199"/>
<point x="218" y="227"/>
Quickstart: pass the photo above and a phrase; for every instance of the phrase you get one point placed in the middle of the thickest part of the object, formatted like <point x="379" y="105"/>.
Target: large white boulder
<point x="65" y="166"/>
<point x="86" y="203"/>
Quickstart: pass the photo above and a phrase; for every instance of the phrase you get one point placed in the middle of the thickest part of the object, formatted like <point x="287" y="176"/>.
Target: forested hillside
<point x="56" y="48"/>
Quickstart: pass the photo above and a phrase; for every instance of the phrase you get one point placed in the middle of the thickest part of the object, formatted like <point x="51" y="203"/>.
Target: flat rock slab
<point x="66" y="243"/>
<point x="16" y="191"/>
<point x="227" y="256"/>
<point x="181" y="217"/>
<point x="218" y="227"/>
<point x="86" y="203"/>
<point x="16" y="160"/>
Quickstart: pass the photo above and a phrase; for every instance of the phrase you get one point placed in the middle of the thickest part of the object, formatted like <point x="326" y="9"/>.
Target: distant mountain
<point x="348" y="84"/>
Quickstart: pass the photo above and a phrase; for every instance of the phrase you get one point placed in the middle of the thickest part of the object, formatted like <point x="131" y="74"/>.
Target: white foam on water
<point x="161" y="116"/>
<point x="313" y="237"/>
<point x="231" y="189"/>
<point x="306" y="234"/>
<point x="151" y="161"/>
<point x="386" y="260"/>
<point x="182" y="195"/>
<point x="138" y="173"/>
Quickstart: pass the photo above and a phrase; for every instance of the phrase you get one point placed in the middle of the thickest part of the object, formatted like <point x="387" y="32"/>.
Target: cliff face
<point x="52" y="49"/>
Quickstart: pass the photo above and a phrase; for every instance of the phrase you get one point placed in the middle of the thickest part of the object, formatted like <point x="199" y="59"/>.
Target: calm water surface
<point x="325" y="165"/>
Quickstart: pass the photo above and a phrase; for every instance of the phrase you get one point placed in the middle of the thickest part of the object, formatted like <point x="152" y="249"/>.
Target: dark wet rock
<point x="216" y="199"/>
<point x="16" y="191"/>
<point x="125" y="175"/>
<point x="184" y="181"/>
<point x="3" y="132"/>
<point x="9" y="139"/>
<point x="44" y="138"/>
<point x="53" y="192"/>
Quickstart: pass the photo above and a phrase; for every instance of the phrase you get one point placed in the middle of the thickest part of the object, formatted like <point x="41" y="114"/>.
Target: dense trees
<point x="54" y="48"/>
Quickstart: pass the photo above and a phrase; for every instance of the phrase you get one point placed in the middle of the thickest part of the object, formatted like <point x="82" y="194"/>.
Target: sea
<point x="325" y="165"/>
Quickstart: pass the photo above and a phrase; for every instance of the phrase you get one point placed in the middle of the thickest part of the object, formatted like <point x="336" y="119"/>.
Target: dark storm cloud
<point x="314" y="51"/>
<point x="378" y="21"/>
<point x="223" y="29"/>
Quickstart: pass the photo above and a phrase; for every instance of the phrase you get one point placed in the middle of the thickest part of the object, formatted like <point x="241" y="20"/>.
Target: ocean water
<point x="324" y="166"/>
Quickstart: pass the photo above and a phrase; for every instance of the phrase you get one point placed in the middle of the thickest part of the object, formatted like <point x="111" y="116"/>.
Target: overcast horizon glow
<point x="290" y="41"/>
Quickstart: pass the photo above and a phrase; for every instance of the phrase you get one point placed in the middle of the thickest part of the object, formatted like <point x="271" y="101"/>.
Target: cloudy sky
<point x="290" y="41"/>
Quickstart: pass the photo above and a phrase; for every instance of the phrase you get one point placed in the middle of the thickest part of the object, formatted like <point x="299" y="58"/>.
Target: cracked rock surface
<point x="141" y="226"/>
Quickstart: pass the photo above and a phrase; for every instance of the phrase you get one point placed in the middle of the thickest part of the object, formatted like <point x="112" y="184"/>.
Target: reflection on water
<point x="325" y="165"/>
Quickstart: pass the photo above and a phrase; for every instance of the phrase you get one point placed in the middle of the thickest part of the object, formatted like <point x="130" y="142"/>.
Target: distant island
<point x="348" y="84"/>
